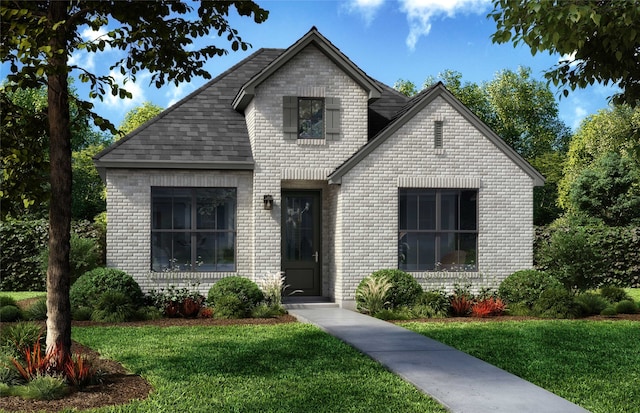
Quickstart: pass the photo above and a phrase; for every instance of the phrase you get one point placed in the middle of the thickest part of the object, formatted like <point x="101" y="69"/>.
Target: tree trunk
<point x="58" y="271"/>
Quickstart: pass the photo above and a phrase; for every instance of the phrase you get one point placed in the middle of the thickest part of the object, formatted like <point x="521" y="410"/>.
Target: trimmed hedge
<point x="88" y="289"/>
<point x="616" y="249"/>
<point x="23" y="243"/>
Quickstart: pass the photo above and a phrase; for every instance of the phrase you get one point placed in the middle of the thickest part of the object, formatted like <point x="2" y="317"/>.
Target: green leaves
<point x="602" y="35"/>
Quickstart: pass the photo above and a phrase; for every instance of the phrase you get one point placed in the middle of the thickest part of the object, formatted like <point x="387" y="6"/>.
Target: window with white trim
<point x="438" y="229"/>
<point x="193" y="229"/>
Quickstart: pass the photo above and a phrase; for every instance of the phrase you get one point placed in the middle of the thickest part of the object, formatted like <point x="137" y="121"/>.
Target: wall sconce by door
<point x="268" y="202"/>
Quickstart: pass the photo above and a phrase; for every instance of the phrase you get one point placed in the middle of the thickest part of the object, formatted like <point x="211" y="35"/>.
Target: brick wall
<point x="300" y="164"/>
<point x="368" y="201"/>
<point x="129" y="222"/>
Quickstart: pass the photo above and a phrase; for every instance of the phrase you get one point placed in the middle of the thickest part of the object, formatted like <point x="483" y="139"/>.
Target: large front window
<point x="193" y="229"/>
<point x="438" y="230"/>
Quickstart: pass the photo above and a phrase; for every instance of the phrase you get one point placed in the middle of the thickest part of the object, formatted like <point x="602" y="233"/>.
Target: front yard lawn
<point x="283" y="368"/>
<point x="595" y="364"/>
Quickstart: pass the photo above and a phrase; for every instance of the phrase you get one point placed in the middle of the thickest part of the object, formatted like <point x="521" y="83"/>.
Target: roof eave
<point x="102" y="165"/>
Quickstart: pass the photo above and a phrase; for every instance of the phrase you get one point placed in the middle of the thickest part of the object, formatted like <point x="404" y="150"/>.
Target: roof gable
<point x="313" y="37"/>
<point x="411" y="109"/>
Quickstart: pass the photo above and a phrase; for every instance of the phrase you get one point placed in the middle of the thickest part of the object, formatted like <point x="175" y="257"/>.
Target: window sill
<point x="311" y="142"/>
<point x="446" y="275"/>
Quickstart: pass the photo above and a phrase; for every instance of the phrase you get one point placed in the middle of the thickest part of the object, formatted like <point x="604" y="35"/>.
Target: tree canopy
<point x="610" y="130"/>
<point x="609" y="190"/>
<point x="138" y="116"/>
<point x="599" y="41"/>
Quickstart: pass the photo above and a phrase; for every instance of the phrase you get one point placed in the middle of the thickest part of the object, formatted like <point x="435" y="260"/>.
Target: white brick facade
<point x="360" y="211"/>
<point x="129" y="223"/>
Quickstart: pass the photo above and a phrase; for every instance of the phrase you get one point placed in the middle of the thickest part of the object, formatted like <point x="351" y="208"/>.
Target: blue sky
<point x="389" y="40"/>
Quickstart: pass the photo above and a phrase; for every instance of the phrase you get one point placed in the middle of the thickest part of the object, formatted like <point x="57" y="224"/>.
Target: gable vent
<point x="437" y="134"/>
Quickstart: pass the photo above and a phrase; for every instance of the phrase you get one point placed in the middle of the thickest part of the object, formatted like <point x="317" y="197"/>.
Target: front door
<point x="301" y="241"/>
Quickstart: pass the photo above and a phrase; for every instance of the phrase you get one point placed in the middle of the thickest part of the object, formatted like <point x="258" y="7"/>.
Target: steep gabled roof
<point x="202" y="131"/>
<point x="313" y="37"/>
<point x="413" y="107"/>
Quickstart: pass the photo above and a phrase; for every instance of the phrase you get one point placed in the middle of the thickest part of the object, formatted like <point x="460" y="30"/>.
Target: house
<point x="296" y="160"/>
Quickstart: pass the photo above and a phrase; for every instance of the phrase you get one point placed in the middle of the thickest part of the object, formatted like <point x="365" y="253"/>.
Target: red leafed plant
<point x="35" y="363"/>
<point x="79" y="371"/>
<point x="206" y="312"/>
<point x="461" y="305"/>
<point x="488" y="307"/>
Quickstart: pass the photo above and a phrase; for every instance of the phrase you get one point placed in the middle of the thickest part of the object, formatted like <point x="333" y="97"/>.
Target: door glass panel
<point x="298" y="224"/>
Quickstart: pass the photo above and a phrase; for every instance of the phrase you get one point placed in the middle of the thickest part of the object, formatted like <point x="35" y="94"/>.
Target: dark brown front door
<point x="301" y="241"/>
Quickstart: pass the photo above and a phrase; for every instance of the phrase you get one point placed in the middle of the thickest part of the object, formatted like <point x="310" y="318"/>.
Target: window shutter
<point x="332" y="123"/>
<point x="437" y="134"/>
<point x="290" y="117"/>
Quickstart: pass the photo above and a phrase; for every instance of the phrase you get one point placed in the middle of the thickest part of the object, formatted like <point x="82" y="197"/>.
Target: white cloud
<point x="175" y="93"/>
<point x="366" y="8"/>
<point x="579" y="113"/>
<point x="420" y="14"/>
<point x="84" y="59"/>
<point x="137" y="92"/>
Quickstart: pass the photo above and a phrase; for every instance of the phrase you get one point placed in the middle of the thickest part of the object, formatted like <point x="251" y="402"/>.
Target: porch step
<point x="302" y="303"/>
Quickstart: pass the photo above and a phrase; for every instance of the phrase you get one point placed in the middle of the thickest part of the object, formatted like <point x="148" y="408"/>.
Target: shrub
<point x="21" y="243"/>
<point x="148" y="313"/>
<point x="10" y="313"/>
<point x="264" y="310"/>
<point x="609" y="311"/>
<point x="371" y="294"/>
<point x="614" y="294"/>
<point x="437" y="301"/>
<point x="206" y="312"/>
<point x="177" y="302"/>
<point x="555" y="303"/>
<point x="488" y="307"/>
<point x="21" y="335"/>
<point x="404" y="291"/>
<point x="244" y="289"/>
<point x="43" y="387"/>
<point x="37" y="310"/>
<point x="272" y="286"/>
<point x="84" y="256"/>
<point x="81" y="313"/>
<point x="526" y="286"/>
<point x="113" y="307"/>
<point x="91" y="285"/>
<point x="6" y="300"/>
<point x="231" y="306"/>
<point x="572" y="257"/>
<point x="626" y="307"/>
<point x="591" y="304"/>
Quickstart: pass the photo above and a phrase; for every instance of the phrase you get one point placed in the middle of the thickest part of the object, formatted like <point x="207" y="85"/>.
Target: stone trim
<point x="305" y="174"/>
<point x="447" y="182"/>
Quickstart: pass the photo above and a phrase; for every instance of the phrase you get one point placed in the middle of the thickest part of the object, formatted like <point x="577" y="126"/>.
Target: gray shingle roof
<point x="201" y="131"/>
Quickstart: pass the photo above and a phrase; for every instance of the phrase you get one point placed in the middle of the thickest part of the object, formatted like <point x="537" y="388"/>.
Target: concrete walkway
<point x="460" y="382"/>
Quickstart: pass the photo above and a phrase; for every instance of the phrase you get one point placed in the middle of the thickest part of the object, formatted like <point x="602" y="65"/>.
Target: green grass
<point x="23" y="295"/>
<point x="593" y="364"/>
<point x="282" y="368"/>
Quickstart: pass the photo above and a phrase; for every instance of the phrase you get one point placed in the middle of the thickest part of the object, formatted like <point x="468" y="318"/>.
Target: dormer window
<point x="310" y="118"/>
